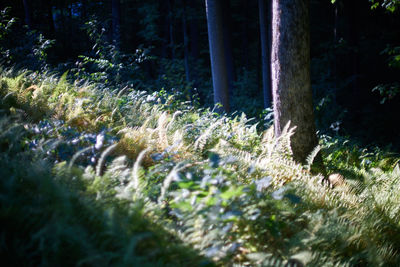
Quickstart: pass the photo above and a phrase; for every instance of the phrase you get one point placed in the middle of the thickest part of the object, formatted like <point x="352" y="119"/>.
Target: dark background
<point x="348" y="42"/>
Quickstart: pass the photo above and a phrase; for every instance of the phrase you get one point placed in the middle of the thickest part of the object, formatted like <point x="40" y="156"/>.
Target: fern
<point x="100" y="164"/>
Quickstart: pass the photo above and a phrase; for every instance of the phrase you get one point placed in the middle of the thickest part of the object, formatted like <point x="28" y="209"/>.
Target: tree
<point x="291" y="84"/>
<point x="263" y="7"/>
<point x="186" y="44"/>
<point x="217" y="53"/>
<point x="50" y="20"/>
<point x="28" y="17"/>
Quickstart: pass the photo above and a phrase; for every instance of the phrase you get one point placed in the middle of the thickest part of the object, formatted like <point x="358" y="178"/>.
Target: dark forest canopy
<point x="354" y="51"/>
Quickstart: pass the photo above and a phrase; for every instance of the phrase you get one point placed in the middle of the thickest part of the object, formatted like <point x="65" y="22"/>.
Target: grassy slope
<point x="210" y="182"/>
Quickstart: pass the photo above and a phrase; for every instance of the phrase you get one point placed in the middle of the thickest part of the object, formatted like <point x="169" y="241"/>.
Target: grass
<point x="124" y="178"/>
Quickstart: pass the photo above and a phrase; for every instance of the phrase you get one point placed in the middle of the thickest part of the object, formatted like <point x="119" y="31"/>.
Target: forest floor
<point x="102" y="177"/>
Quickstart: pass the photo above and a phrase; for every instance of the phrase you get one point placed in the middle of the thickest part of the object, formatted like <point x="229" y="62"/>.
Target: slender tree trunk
<point x="354" y="43"/>
<point x="186" y="45"/>
<point x="194" y="32"/>
<point x="171" y="28"/>
<point x="227" y="35"/>
<point x="192" y="19"/>
<point x="28" y="17"/>
<point x="116" y="22"/>
<point x="165" y="28"/>
<point x="84" y="10"/>
<point x="50" y="20"/>
<point x="245" y="36"/>
<point x="291" y="83"/>
<point x="263" y="7"/>
<point x="335" y="42"/>
<point x="217" y="54"/>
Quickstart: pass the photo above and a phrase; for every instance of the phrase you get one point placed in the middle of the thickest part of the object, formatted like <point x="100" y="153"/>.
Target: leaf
<point x="258" y="256"/>
<point x="186" y="185"/>
<point x="231" y="192"/>
<point x="293" y="198"/>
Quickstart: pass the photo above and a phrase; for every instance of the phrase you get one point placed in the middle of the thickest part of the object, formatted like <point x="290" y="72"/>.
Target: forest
<point x="199" y="133"/>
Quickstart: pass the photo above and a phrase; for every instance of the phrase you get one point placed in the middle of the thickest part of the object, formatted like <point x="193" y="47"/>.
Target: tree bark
<point x="291" y="82"/>
<point x="116" y="22"/>
<point x="263" y="7"/>
<point x="217" y="54"/>
<point x="28" y="17"/>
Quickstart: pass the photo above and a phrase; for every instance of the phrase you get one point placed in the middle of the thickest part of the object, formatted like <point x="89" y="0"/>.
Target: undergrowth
<point x="120" y="177"/>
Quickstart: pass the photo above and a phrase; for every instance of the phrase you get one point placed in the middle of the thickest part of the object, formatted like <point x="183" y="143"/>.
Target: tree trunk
<point x="245" y="37"/>
<point x="84" y="10"/>
<point x="28" y="17"/>
<point x="186" y="45"/>
<point x="165" y="28"/>
<point x="353" y="15"/>
<point x="291" y="82"/>
<point x="193" y="27"/>
<point x="50" y="20"/>
<point x="193" y="31"/>
<point x="226" y="26"/>
<point x="263" y="7"/>
<point x="171" y="28"/>
<point x="217" y="54"/>
<point x="335" y="43"/>
<point x="116" y="22"/>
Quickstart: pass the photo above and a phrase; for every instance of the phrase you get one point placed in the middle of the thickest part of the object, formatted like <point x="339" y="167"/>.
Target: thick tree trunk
<point x="217" y="53"/>
<point x="263" y="7"/>
<point x="28" y="17"/>
<point x="291" y="82"/>
<point x="116" y="22"/>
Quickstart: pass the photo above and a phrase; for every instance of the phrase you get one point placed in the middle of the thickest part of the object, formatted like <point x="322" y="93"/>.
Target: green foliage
<point x="123" y="177"/>
<point x="391" y="90"/>
<point x="51" y="215"/>
<point x="21" y="47"/>
<point x="390" y="5"/>
<point x="247" y="91"/>
<point x="105" y="65"/>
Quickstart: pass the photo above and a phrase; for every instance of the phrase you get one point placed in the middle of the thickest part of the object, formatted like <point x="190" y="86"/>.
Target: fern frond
<point x="102" y="159"/>
<point x="77" y="155"/>
<point x="203" y="138"/>
<point x="310" y="158"/>
<point x="135" y="170"/>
